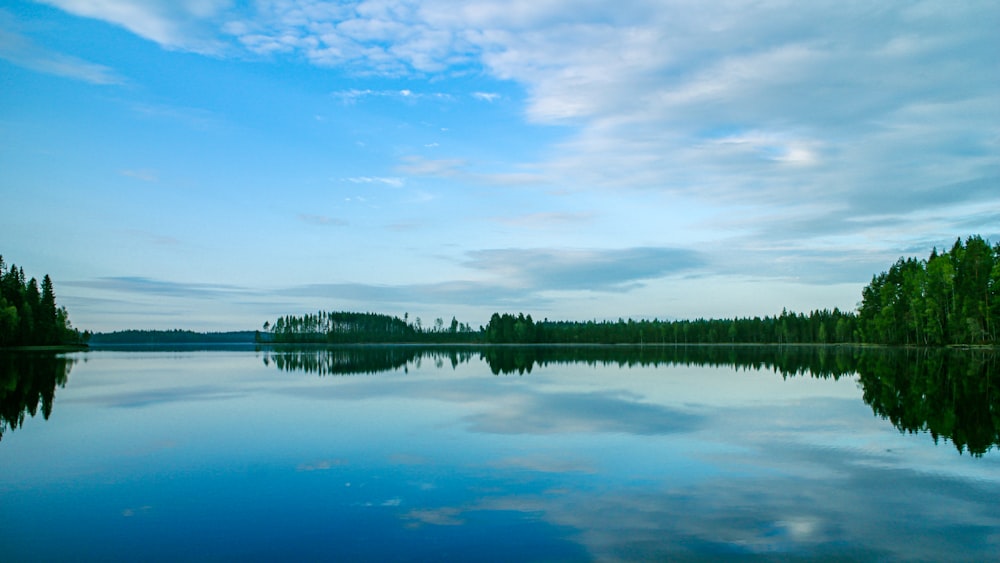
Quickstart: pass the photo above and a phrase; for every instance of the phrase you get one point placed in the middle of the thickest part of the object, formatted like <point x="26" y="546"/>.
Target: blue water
<point x="219" y="455"/>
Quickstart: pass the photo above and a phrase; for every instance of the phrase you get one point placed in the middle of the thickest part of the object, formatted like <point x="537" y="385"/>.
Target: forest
<point x="353" y="328"/>
<point x="343" y="327"/>
<point x="175" y="336"/>
<point x="29" y="315"/>
<point x="948" y="299"/>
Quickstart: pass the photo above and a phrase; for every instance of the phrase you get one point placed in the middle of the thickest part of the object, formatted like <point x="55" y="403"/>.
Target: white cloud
<point x="322" y="220"/>
<point x="176" y="25"/>
<point x="23" y="52"/>
<point x="825" y="115"/>
<point x="144" y="175"/>
<point x="418" y="166"/>
<point x="486" y="96"/>
<point x="354" y="95"/>
<point x="388" y="181"/>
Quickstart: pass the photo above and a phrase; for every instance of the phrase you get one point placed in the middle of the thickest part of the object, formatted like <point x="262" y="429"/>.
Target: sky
<point x="212" y="164"/>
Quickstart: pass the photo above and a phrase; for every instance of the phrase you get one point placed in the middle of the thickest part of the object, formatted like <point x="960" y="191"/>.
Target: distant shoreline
<point x="48" y="348"/>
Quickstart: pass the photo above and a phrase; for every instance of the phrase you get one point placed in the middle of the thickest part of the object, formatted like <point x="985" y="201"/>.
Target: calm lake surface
<point x="576" y="454"/>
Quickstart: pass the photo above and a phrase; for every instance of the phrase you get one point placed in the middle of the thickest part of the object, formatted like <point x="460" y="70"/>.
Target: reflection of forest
<point x="28" y="381"/>
<point x="819" y="361"/>
<point x="353" y="360"/>
<point x="947" y="393"/>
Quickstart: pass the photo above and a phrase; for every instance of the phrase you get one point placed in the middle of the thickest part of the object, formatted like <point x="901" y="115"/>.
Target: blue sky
<point x="211" y="164"/>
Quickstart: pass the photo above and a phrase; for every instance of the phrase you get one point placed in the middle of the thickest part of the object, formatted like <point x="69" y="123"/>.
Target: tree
<point x="29" y="315"/>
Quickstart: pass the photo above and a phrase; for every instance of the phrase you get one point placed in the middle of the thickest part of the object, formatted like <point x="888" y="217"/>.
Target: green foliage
<point x="822" y="326"/>
<point x="353" y="328"/>
<point x="29" y="315"/>
<point x="175" y="336"/>
<point x="950" y="298"/>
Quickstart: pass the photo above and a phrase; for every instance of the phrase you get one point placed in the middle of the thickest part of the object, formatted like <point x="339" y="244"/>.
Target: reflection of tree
<point x="353" y="360"/>
<point x="818" y="361"/>
<point x="948" y="393"/>
<point x="27" y="381"/>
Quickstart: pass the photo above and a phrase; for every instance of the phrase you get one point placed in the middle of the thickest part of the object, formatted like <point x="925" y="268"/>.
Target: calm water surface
<point x="500" y="454"/>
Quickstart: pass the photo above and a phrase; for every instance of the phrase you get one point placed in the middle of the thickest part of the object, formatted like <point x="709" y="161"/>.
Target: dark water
<point x="405" y="453"/>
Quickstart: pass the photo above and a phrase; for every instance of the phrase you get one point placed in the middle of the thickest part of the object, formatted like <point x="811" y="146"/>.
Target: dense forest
<point x="353" y="328"/>
<point x="818" y="327"/>
<point x="29" y="315"/>
<point x="950" y="298"/>
<point x="176" y="336"/>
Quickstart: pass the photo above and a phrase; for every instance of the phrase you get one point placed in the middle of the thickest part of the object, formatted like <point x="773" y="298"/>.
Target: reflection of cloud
<point x="446" y="516"/>
<point x="855" y="506"/>
<point x="524" y="410"/>
<point x="321" y="465"/>
<point x="130" y="512"/>
<point x="543" y="464"/>
<point x="551" y="413"/>
<point x="152" y="397"/>
<point x="408" y="459"/>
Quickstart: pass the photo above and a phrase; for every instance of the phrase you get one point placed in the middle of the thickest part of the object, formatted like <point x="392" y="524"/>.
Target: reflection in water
<point x="737" y="454"/>
<point x="27" y="381"/>
<point x="822" y="362"/>
<point x="948" y="393"/>
<point x="355" y="360"/>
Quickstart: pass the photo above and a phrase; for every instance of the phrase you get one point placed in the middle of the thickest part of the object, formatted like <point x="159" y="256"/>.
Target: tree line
<point x="949" y="298"/>
<point x="29" y="315"/>
<point x="818" y="327"/>
<point x="175" y="336"/>
<point x="343" y="327"/>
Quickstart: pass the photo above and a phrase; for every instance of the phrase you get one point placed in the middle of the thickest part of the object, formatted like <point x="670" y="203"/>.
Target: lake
<point x="396" y="453"/>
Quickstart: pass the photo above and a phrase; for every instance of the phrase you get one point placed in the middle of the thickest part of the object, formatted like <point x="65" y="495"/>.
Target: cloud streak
<point x="24" y="52"/>
<point x="149" y="286"/>
<point x="187" y="26"/>
<point x="596" y="270"/>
